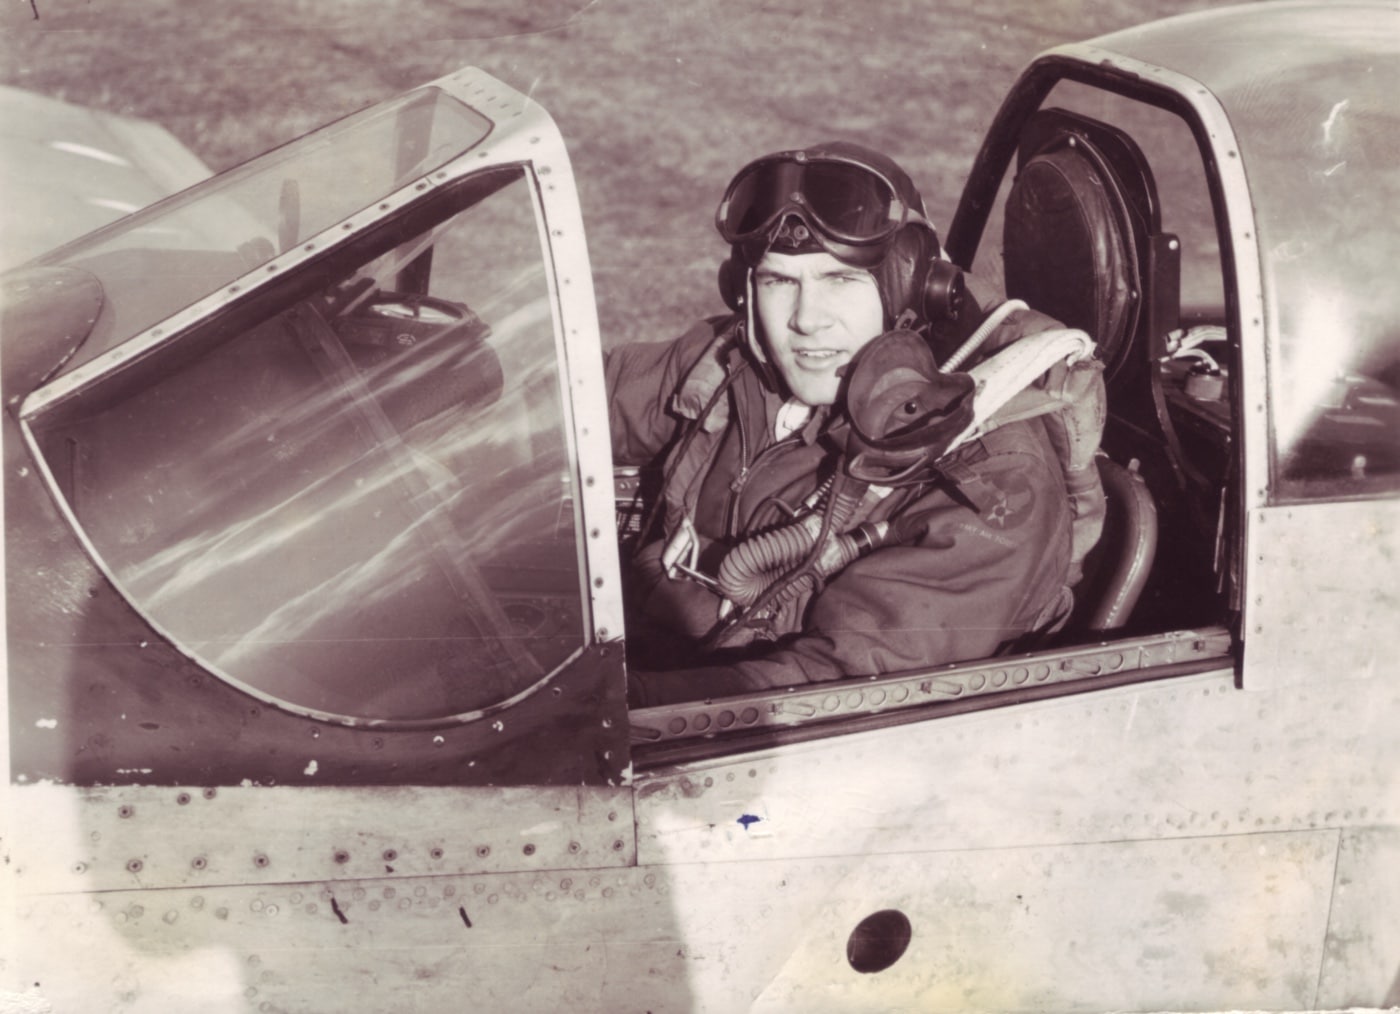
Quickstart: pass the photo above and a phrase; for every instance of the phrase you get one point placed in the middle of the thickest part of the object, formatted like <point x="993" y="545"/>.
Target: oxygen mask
<point x="904" y="411"/>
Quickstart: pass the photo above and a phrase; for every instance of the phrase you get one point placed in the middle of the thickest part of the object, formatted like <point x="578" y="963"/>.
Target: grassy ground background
<point x="659" y="100"/>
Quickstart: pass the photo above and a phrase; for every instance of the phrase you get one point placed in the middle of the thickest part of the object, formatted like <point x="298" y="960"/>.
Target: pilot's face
<point x="816" y="313"/>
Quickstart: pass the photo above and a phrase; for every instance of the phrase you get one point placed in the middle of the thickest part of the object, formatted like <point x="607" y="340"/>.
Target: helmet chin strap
<point x="755" y="345"/>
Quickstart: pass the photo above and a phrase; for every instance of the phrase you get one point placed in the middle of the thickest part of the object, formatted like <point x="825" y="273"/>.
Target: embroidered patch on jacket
<point x="1014" y="502"/>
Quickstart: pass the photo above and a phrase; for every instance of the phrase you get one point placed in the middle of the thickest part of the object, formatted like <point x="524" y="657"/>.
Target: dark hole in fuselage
<point x="879" y="941"/>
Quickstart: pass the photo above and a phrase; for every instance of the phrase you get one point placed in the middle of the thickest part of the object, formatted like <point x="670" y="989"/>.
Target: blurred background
<point x="659" y="101"/>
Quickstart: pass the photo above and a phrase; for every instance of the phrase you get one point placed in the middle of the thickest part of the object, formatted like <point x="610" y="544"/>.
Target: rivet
<point x="261" y="861"/>
<point x="341" y="856"/>
<point x="390" y="855"/>
<point x="125" y="810"/>
<point x="210" y="792"/>
<point x="529" y="849"/>
<point x="482" y="851"/>
<point x="183" y="799"/>
<point x="435" y="853"/>
<point x="198" y="863"/>
<point x="575" y="847"/>
<point x="134" y="866"/>
<point x="618" y="846"/>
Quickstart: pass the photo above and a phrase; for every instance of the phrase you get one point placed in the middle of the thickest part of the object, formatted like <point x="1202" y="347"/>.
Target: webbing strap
<point x="1002" y="377"/>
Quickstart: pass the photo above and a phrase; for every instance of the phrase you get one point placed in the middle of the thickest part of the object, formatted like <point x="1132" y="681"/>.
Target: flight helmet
<point x="852" y="202"/>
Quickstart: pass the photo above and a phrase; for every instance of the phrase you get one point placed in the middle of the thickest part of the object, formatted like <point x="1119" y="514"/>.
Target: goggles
<point x="851" y="208"/>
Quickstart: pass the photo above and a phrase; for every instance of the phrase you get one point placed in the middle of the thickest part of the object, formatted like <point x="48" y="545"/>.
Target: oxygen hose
<point x="983" y="332"/>
<point x="751" y="567"/>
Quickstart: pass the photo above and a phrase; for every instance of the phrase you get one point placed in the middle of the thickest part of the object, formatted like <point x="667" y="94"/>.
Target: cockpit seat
<point x="1116" y="569"/>
<point x="1076" y="238"/>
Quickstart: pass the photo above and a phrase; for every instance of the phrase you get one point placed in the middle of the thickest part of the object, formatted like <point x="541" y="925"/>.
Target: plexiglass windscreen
<point x="164" y="258"/>
<point x="358" y="502"/>
<point x="1321" y="145"/>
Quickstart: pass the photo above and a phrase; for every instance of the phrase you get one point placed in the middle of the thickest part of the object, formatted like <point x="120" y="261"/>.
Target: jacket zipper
<point x="746" y="469"/>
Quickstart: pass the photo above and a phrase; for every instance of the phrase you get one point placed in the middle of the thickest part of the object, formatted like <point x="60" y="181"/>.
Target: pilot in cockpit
<point x="830" y="503"/>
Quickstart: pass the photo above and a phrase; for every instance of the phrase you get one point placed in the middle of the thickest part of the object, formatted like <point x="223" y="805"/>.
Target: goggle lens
<point x="849" y="201"/>
<point x="845" y="201"/>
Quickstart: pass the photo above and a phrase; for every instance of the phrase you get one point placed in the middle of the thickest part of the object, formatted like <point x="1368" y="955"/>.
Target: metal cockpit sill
<point x="909" y="696"/>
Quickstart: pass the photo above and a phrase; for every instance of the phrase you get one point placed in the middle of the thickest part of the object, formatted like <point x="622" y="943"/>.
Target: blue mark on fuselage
<point x="748" y="819"/>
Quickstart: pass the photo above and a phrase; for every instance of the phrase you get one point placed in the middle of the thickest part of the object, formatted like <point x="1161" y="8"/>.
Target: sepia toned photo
<point x="636" y="507"/>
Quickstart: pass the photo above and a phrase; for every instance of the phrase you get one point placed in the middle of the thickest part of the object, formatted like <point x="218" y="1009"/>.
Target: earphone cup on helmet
<point x="733" y="278"/>
<point x="945" y="291"/>
<point x="915" y="281"/>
